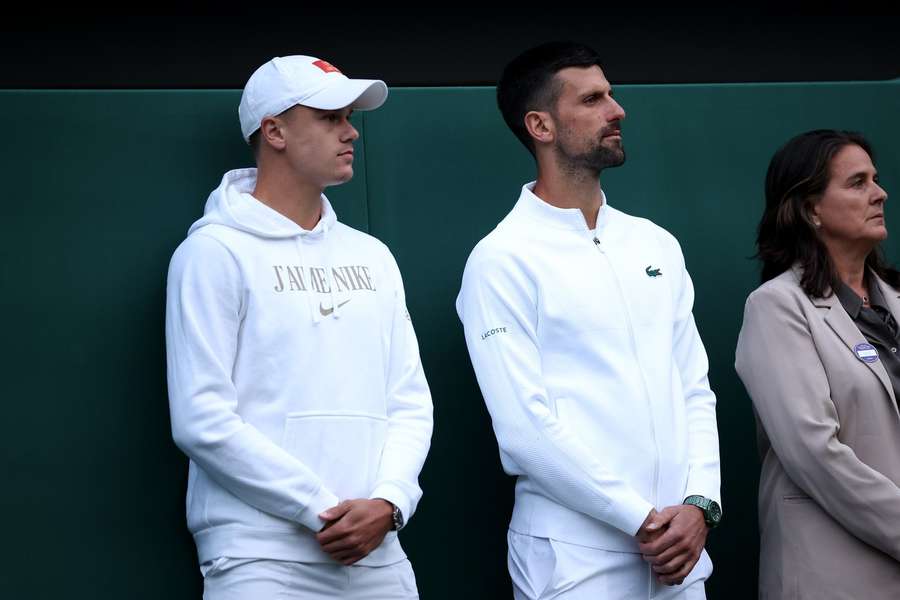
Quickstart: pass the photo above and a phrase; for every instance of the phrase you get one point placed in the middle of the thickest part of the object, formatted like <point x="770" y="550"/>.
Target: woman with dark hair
<point x="818" y="354"/>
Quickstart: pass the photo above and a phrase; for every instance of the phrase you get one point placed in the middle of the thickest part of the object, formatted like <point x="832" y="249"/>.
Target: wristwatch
<point x="712" y="512"/>
<point x="397" y="518"/>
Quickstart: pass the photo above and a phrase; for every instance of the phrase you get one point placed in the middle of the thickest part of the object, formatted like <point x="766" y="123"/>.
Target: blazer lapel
<point x="839" y="321"/>
<point x="892" y="298"/>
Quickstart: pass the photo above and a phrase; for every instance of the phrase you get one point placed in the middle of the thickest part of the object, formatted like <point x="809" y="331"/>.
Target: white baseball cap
<point x="286" y="81"/>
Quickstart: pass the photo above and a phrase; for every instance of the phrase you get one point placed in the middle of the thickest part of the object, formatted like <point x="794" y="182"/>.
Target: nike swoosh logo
<point x="327" y="311"/>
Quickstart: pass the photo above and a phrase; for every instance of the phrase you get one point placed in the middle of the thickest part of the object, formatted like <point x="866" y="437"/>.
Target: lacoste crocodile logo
<point x="651" y="272"/>
<point x="327" y="311"/>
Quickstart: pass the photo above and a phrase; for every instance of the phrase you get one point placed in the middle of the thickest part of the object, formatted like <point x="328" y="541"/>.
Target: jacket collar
<point x="535" y="209"/>
<point x="841" y="323"/>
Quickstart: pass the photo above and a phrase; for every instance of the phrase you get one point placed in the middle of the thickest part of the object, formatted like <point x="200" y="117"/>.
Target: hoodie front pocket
<point x="342" y="448"/>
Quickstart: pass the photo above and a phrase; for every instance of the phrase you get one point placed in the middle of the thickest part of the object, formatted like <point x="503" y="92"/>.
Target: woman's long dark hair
<point x="798" y="175"/>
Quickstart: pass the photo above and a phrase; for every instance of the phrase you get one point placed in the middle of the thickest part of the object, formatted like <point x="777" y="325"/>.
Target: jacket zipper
<point x="655" y="482"/>
<point x="634" y="349"/>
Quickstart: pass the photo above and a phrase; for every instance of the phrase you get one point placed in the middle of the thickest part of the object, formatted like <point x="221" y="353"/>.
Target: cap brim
<point x="358" y="94"/>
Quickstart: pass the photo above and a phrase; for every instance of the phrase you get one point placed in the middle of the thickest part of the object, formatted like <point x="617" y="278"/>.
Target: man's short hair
<point x="254" y="142"/>
<point x="529" y="82"/>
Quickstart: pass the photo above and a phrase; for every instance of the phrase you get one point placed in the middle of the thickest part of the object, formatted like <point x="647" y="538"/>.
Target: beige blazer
<point x="828" y="431"/>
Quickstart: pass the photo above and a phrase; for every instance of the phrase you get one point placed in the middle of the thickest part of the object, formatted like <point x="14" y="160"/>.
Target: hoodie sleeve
<point x="700" y="402"/>
<point x="204" y="308"/>
<point x="409" y="409"/>
<point x="498" y="308"/>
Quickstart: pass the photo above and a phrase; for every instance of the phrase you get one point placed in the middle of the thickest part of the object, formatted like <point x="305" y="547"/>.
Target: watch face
<point x="714" y="511"/>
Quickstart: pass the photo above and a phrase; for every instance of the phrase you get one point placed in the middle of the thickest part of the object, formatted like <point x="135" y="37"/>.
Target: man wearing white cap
<point x="295" y="384"/>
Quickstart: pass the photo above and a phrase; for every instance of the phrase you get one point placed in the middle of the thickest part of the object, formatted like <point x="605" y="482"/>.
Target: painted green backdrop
<point x="101" y="186"/>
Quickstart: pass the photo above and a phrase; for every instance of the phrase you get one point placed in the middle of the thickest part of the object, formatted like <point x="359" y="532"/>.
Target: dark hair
<point x="528" y="82"/>
<point x="254" y="142"/>
<point x="798" y="175"/>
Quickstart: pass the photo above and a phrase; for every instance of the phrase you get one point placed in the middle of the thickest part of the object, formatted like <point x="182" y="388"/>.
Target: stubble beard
<point x="594" y="161"/>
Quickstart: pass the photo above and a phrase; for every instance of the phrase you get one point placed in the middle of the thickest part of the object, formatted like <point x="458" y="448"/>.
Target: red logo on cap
<point x="326" y="66"/>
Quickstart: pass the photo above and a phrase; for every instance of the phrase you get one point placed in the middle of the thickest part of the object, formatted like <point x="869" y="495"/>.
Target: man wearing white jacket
<point x="578" y="322"/>
<point x="295" y="384"/>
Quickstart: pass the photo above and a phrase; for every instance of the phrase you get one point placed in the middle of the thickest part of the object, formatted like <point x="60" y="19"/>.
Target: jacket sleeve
<point x="779" y="364"/>
<point x="704" y="476"/>
<point x="204" y="308"/>
<point x="409" y="409"/>
<point x="498" y="308"/>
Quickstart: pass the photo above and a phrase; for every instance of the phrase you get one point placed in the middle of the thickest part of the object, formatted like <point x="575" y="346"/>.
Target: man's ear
<point x="272" y="133"/>
<point x="540" y="126"/>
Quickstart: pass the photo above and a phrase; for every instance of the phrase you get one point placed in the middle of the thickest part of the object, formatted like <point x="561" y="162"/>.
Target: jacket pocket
<point x="342" y="447"/>
<point x="195" y="501"/>
<point x="796" y="498"/>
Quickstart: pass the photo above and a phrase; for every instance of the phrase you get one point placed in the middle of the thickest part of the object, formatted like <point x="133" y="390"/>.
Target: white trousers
<point x="544" y="569"/>
<point x="256" y="579"/>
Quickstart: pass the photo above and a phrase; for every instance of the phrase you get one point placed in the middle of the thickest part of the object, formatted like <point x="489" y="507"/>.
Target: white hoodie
<point x="294" y="378"/>
<point x="592" y="369"/>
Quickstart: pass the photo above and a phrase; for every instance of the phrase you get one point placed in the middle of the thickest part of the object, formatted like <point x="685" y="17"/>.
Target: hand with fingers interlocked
<point x="672" y="540"/>
<point x="354" y="528"/>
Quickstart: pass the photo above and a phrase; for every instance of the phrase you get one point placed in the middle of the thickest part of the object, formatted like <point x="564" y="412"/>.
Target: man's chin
<point x="612" y="157"/>
<point x="341" y="177"/>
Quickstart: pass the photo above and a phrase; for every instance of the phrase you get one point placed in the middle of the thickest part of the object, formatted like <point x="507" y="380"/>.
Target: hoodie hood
<point x="231" y="204"/>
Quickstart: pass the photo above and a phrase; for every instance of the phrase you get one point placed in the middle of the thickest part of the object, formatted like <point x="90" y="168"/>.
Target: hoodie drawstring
<point x="328" y="272"/>
<point x="310" y="304"/>
<point x="310" y="300"/>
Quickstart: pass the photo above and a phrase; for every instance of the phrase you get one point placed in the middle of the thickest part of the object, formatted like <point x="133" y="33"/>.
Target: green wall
<point x="100" y="187"/>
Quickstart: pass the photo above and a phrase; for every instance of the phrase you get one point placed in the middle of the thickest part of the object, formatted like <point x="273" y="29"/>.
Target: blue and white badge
<point x="866" y="352"/>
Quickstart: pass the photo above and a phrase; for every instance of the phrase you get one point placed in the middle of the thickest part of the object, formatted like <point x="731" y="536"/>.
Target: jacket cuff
<point x="628" y="517"/>
<point x="698" y="486"/>
<point x="319" y="502"/>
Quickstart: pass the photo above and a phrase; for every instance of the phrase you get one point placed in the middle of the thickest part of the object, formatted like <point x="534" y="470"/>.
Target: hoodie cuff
<point x="395" y="496"/>
<point x="319" y="502"/>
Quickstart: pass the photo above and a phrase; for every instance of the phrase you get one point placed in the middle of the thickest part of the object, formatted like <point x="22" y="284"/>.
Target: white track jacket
<point x="592" y="369"/>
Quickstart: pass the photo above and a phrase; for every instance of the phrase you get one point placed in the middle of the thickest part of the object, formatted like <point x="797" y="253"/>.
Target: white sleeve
<point x="409" y="410"/>
<point x="204" y="299"/>
<point x="498" y="308"/>
<point x="704" y="477"/>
